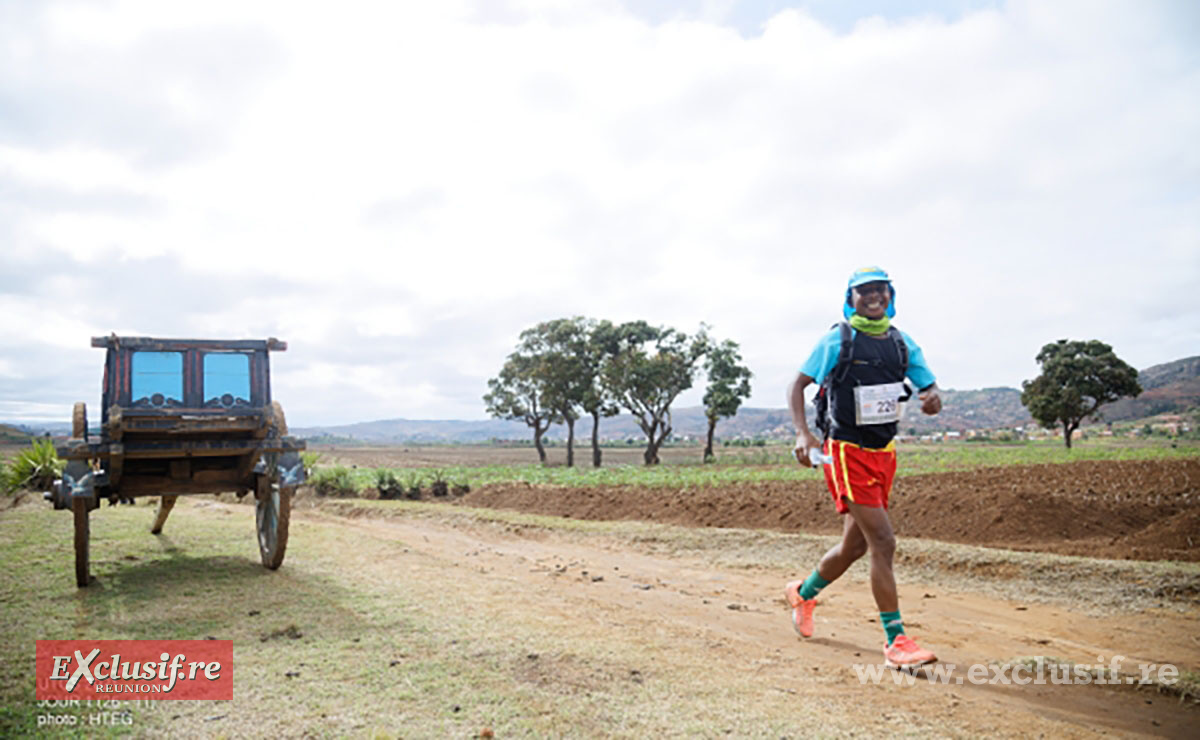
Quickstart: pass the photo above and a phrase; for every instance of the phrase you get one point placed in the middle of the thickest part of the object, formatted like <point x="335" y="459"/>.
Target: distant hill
<point x="1170" y="373"/>
<point x="28" y="428"/>
<point x="988" y="408"/>
<point x="11" y="435"/>
<point x="1170" y="388"/>
<point x="418" y="431"/>
<point x="687" y="422"/>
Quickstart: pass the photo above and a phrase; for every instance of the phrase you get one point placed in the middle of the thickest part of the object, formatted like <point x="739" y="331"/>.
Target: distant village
<point x="1170" y="425"/>
<point x="1167" y="425"/>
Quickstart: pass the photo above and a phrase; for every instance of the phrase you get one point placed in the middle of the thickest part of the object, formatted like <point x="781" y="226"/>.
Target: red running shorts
<point x="859" y="475"/>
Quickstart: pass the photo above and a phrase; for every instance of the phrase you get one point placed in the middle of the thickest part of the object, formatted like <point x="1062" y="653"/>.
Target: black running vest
<point x="875" y="361"/>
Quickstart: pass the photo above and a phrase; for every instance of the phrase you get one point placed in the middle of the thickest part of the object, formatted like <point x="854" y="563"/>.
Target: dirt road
<point x="697" y="618"/>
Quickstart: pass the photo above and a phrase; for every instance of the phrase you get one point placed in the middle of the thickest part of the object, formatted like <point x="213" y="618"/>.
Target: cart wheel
<point x="79" y="421"/>
<point x="272" y="510"/>
<point x="80" y="507"/>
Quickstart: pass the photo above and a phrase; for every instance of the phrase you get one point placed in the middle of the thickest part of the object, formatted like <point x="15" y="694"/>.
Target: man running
<point x="863" y="394"/>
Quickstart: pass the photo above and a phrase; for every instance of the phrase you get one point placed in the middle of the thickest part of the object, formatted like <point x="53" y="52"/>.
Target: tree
<point x="728" y="386"/>
<point x="1077" y="378"/>
<point x="518" y="394"/>
<point x="558" y="351"/>
<point x="603" y="343"/>
<point x="651" y="367"/>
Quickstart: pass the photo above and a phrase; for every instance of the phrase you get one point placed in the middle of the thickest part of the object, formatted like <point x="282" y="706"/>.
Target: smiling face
<point x="871" y="299"/>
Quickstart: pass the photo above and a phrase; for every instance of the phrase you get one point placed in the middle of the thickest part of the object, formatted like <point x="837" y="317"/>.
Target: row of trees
<point x="566" y="368"/>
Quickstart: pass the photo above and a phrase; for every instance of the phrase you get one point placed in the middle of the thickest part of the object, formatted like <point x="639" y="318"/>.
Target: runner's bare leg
<point x="842" y="555"/>
<point x="876" y="528"/>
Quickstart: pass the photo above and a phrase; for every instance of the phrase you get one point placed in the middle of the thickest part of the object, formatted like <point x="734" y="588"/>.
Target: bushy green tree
<point x="1077" y="378"/>
<point x="558" y="354"/>
<point x="651" y="367"/>
<point x="603" y="343"/>
<point x="728" y="386"/>
<point x="519" y="393"/>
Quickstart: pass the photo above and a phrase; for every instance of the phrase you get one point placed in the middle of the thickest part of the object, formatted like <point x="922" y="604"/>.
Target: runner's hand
<point x="931" y="402"/>
<point x="805" y="441"/>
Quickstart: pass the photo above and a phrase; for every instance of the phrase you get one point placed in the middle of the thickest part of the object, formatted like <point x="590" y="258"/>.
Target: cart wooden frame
<point x="182" y="417"/>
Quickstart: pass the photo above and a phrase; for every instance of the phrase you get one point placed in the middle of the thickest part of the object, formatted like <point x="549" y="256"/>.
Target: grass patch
<point x="372" y="650"/>
<point x="935" y="458"/>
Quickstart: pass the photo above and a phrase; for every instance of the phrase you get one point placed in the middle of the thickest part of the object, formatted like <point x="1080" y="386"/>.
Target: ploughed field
<point x="1137" y="509"/>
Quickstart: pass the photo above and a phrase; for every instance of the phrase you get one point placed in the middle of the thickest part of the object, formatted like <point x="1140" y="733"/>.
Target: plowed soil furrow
<point x="1140" y="510"/>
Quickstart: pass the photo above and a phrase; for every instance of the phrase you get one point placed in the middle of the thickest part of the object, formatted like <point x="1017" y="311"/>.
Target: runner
<point x="863" y="391"/>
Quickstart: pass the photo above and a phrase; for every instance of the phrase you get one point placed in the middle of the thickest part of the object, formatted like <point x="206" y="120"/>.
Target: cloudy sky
<point x="399" y="188"/>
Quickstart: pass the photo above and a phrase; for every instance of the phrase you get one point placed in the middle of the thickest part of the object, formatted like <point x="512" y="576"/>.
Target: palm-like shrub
<point x="34" y="468"/>
<point x="335" y="481"/>
<point x="309" y="460"/>
<point x="388" y="483"/>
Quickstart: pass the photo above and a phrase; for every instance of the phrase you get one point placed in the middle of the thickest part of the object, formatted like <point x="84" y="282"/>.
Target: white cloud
<point x="431" y="178"/>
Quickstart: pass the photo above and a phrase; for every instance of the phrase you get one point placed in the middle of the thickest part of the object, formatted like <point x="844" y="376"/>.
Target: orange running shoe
<point x="904" y="653"/>
<point x="802" y="609"/>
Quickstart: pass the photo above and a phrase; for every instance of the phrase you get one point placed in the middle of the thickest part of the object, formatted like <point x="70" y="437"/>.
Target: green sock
<point x="812" y="585"/>
<point x="891" y="625"/>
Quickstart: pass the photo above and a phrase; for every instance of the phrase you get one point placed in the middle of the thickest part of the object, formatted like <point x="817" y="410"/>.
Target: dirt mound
<point x="1141" y="510"/>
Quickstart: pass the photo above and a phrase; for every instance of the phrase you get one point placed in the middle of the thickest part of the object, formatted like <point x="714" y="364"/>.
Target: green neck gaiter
<point x="870" y="326"/>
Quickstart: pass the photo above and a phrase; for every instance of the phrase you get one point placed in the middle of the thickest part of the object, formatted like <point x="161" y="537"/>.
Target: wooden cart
<point x="179" y="417"/>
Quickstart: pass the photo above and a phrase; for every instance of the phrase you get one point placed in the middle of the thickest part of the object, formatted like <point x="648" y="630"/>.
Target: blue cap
<point x="869" y="275"/>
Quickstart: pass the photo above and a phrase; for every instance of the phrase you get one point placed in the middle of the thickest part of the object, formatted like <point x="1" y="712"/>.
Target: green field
<point x="776" y="463"/>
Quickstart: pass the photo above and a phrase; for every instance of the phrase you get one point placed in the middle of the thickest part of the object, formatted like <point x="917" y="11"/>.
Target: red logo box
<point x="135" y="669"/>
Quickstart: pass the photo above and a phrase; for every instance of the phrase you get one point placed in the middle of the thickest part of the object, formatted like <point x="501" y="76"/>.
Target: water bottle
<point x="818" y="458"/>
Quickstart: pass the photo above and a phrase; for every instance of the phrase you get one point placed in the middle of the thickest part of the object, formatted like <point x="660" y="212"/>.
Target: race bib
<point x="877" y="404"/>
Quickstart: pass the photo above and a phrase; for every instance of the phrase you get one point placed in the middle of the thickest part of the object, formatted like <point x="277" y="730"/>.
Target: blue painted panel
<point x="227" y="374"/>
<point x="157" y="372"/>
